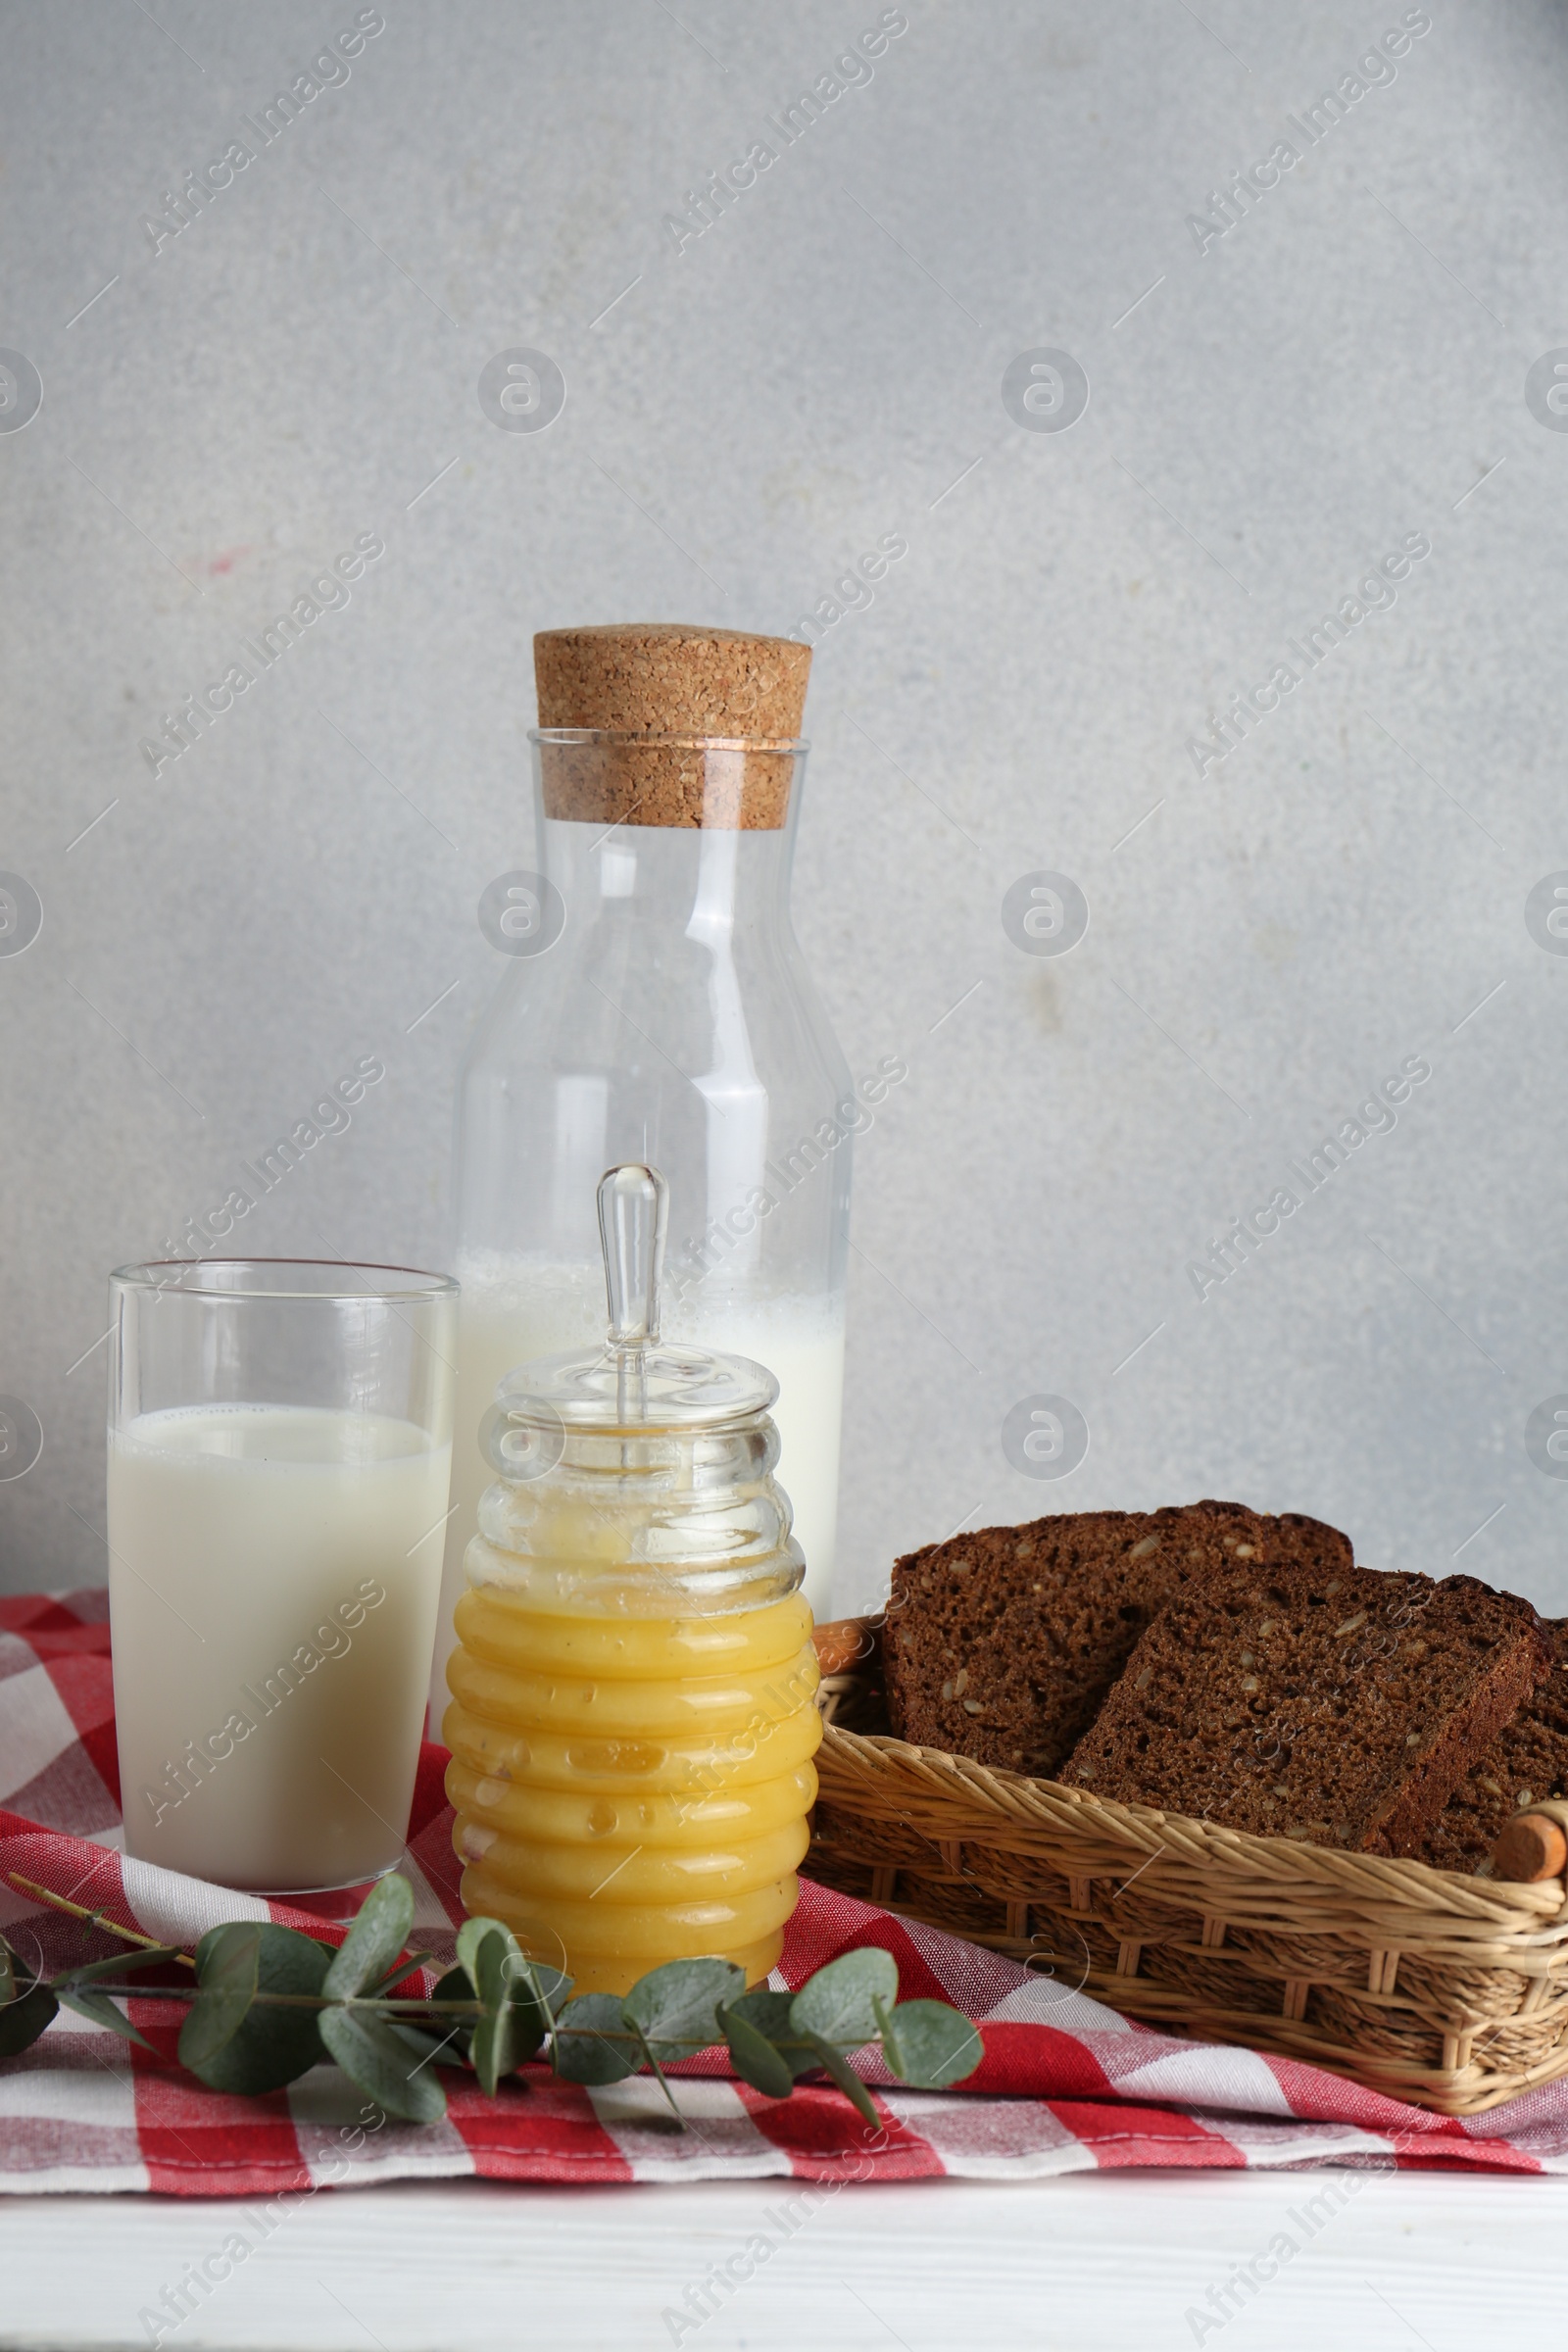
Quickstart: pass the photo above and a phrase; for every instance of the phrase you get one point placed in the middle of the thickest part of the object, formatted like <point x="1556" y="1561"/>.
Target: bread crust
<point x="1341" y="1710"/>
<point x="1527" y="1762"/>
<point x="1001" y="1645"/>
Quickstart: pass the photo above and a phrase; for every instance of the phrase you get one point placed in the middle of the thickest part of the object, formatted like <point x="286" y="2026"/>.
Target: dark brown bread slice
<point x="1001" y="1645"/>
<point x="1342" y="1709"/>
<point x="1526" y="1762"/>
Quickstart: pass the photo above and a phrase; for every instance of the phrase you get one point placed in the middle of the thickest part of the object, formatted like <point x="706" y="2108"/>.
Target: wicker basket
<point x="1450" y="1992"/>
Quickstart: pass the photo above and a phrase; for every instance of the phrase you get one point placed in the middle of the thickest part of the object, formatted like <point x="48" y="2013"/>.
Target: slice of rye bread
<point x="1001" y="1645"/>
<point x="1343" y="1710"/>
<point x="1527" y="1761"/>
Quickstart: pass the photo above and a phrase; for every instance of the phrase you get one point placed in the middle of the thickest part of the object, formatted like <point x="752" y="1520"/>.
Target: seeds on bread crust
<point x="1363" y="1733"/>
<point x="1042" y="1618"/>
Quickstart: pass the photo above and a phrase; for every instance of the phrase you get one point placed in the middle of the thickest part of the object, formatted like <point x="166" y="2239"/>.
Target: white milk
<point x="273" y="1572"/>
<point x="511" y="1311"/>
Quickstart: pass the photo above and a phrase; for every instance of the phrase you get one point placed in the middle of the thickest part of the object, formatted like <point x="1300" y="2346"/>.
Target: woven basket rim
<point x="1518" y="1909"/>
<point x="1474" y="1968"/>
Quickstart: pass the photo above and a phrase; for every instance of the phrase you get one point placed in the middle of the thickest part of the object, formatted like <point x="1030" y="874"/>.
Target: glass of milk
<point x="279" y="1455"/>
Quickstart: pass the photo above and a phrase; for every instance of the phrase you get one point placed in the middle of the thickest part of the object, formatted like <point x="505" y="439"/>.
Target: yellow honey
<point x="630" y="1790"/>
<point x="633" y="1715"/>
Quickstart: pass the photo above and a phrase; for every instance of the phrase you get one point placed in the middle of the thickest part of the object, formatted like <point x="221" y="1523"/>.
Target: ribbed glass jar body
<point x="633" y="1719"/>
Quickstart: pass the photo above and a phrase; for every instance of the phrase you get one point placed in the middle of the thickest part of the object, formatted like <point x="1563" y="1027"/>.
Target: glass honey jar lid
<point x="635" y="1384"/>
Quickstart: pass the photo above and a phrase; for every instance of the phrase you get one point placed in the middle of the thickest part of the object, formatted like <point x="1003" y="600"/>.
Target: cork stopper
<point x="718" y="713"/>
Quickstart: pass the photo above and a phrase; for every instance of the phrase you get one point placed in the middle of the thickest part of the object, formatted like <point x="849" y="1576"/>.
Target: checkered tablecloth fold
<point x="1066" y="2083"/>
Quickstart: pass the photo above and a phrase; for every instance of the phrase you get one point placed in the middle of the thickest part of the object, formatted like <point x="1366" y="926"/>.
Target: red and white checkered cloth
<point x="1066" y="2084"/>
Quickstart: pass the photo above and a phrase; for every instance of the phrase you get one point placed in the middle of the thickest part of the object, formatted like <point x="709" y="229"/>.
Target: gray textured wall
<point x="1326" y="381"/>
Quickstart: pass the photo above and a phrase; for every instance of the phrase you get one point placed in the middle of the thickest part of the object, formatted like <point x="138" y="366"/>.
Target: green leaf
<point x="116" y="1965"/>
<point x="376" y="2058"/>
<point x="674" y="2005"/>
<point x="10" y="1982"/>
<point x="848" y="2082"/>
<point x="538" y="1993"/>
<point x="101" y="2010"/>
<point x="659" y="2076"/>
<point x="580" y="2050"/>
<point x="227" y="1974"/>
<point x="766" y="2010"/>
<point x="493" y="1952"/>
<point x="453" y="1987"/>
<point x="769" y="2014"/>
<point x="257" y="2047"/>
<point x="24" y="2018"/>
<point x="836" y="2004"/>
<point x="929" y="2044"/>
<point x="495" y="1970"/>
<point x="446" y="2048"/>
<point x="496" y="2047"/>
<point x="379" y="1932"/>
<point x="753" y="2056"/>
<point x="471" y="1936"/>
<point x="397" y="1975"/>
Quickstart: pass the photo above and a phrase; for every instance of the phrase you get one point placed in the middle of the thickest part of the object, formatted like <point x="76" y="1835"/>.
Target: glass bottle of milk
<point x="657" y="1009"/>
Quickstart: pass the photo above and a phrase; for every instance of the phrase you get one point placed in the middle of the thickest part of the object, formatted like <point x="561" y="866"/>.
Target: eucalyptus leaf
<point x="453" y="1987"/>
<point x="837" y="2003"/>
<point x="21" y="2020"/>
<point x="379" y="1932"/>
<point x="394" y="1976"/>
<point x="88" y="2003"/>
<point x="496" y="2047"/>
<point x="268" y="2046"/>
<point x="766" y="2010"/>
<point x="674" y="2005"/>
<point x="834" y="2063"/>
<point x="377" y="2059"/>
<point x="440" y="2049"/>
<point x="473" y="1935"/>
<point x="769" y="2012"/>
<point x="753" y="2056"/>
<point x="228" y="1973"/>
<point x="492" y="1954"/>
<point x="659" y="2076"/>
<point x="581" y="2051"/>
<point x="538" y="1993"/>
<point x="927" y="2044"/>
<point x="117" y="1964"/>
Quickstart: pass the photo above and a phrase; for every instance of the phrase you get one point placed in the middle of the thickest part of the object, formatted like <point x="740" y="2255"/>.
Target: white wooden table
<point x="1094" y="2263"/>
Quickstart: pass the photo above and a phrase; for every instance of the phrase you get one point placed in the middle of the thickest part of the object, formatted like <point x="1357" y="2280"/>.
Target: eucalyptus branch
<point x="94" y="1919"/>
<point x="269" y="2003"/>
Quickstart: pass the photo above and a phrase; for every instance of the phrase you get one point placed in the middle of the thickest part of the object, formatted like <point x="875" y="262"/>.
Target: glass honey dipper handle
<point x="633" y="1219"/>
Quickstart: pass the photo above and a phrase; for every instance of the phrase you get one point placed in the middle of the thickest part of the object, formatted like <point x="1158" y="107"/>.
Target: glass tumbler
<point x="279" y="1455"/>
